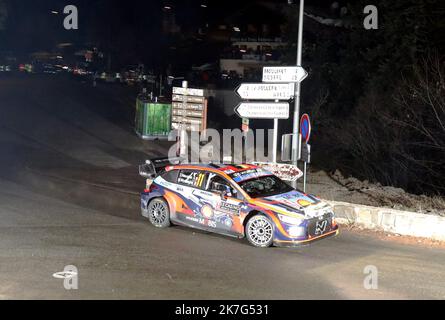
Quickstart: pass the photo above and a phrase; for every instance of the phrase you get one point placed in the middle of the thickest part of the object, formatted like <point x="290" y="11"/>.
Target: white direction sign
<point x="284" y="74"/>
<point x="263" y="110"/>
<point x="188" y="91"/>
<point x="266" y="91"/>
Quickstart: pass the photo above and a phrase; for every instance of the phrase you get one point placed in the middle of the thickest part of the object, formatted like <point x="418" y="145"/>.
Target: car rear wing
<point x="153" y="167"/>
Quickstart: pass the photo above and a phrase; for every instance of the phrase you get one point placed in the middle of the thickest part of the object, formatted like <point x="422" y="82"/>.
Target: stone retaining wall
<point x="390" y="220"/>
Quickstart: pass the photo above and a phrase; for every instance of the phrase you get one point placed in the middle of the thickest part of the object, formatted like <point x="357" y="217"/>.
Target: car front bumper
<point x="311" y="230"/>
<point x="300" y="242"/>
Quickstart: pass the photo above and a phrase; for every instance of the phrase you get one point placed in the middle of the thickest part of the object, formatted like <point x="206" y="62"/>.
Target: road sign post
<point x="275" y="138"/>
<point x="287" y="75"/>
<point x="298" y="87"/>
<point x="189" y="113"/>
<point x="266" y="91"/>
<point x="306" y="158"/>
<point x="284" y="74"/>
<point x="278" y="84"/>
<point x="263" y="110"/>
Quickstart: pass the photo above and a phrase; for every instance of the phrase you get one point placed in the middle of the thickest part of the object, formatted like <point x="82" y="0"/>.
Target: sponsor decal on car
<point x="229" y="208"/>
<point x="191" y="178"/>
<point x="207" y="211"/>
<point x="162" y="182"/>
<point x="320" y="227"/>
<point x="293" y="199"/>
<point x="202" y="221"/>
<point x="304" y="203"/>
<point x="249" y="174"/>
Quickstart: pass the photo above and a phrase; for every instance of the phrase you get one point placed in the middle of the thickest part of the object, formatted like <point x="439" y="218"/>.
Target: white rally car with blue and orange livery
<point x="236" y="200"/>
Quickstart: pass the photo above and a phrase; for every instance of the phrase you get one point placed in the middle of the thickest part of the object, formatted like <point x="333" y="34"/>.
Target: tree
<point x="375" y="78"/>
<point x="420" y="115"/>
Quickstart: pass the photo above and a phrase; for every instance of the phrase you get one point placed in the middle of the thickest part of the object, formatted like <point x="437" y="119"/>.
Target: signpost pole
<point x="183" y="132"/>
<point x="305" y="147"/>
<point x="305" y="177"/>
<point x="275" y="138"/>
<point x="296" y="119"/>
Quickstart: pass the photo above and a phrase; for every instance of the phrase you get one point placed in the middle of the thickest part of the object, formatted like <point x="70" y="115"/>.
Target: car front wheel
<point x="159" y="213"/>
<point x="259" y="231"/>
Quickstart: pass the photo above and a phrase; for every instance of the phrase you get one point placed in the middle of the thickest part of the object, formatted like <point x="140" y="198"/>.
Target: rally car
<point x="244" y="201"/>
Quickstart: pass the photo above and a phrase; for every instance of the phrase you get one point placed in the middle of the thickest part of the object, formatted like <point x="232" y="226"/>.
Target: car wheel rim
<point x="158" y="213"/>
<point x="260" y="231"/>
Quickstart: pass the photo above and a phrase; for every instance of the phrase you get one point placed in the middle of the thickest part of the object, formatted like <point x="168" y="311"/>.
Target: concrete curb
<point x="390" y="220"/>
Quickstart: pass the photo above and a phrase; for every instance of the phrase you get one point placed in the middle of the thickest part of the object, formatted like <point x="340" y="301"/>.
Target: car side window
<point x="170" y="176"/>
<point x="192" y="178"/>
<point x="217" y="184"/>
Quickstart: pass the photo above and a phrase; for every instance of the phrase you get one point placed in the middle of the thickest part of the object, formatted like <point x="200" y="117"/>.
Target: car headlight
<point x="296" y="231"/>
<point x="290" y="220"/>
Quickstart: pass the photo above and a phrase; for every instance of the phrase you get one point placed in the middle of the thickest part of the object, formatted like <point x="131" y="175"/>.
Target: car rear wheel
<point x="259" y="231"/>
<point x="159" y="213"/>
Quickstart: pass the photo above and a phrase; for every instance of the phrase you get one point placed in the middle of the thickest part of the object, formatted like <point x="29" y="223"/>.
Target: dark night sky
<point x="31" y="26"/>
<point x="128" y="29"/>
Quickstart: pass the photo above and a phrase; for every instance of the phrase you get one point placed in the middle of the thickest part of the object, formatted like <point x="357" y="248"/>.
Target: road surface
<point x="68" y="196"/>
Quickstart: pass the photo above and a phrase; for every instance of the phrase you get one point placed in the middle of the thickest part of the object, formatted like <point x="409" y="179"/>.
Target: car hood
<point x="294" y="202"/>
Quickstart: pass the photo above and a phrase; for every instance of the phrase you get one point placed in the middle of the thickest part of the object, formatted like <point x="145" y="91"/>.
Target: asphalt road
<point x="68" y="197"/>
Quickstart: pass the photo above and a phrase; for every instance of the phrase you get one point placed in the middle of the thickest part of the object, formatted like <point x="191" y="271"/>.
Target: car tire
<point x="159" y="213"/>
<point x="259" y="231"/>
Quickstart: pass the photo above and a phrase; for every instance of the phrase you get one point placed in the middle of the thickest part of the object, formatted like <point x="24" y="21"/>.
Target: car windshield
<point x="265" y="186"/>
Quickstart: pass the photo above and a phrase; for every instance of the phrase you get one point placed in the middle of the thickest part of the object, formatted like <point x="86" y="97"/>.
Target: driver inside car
<point x="218" y="184"/>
